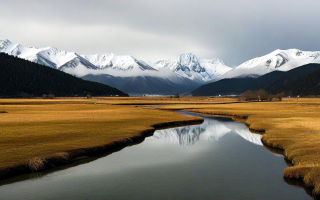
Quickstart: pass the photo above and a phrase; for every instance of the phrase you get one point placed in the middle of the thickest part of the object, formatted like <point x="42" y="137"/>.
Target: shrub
<point x="250" y="95"/>
<point x="263" y="96"/>
<point x="51" y="96"/>
<point x="280" y="96"/>
<point x="247" y="95"/>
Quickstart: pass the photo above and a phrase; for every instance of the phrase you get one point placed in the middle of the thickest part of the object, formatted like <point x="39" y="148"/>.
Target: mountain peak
<point x="5" y="41"/>
<point x="187" y="55"/>
<point x="4" y="44"/>
<point x="51" y="48"/>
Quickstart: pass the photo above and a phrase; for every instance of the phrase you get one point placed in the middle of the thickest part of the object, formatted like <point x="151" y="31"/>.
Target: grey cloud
<point x="234" y="31"/>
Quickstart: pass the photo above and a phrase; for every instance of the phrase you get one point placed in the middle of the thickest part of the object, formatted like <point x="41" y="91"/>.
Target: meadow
<point x="33" y="132"/>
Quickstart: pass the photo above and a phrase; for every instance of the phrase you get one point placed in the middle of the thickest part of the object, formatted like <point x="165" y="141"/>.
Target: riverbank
<point x="291" y="125"/>
<point x="35" y="136"/>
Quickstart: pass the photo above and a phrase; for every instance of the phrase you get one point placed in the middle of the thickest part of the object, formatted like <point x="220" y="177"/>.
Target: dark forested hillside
<point x="21" y="78"/>
<point x="290" y="76"/>
<point x="273" y="82"/>
<point x="223" y="87"/>
<point x="264" y="81"/>
<point x="305" y="86"/>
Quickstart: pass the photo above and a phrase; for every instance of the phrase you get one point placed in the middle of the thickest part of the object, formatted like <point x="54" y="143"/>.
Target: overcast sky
<point x="234" y="31"/>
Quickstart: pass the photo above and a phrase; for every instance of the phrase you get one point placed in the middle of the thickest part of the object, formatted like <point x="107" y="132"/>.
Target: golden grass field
<point x="120" y="100"/>
<point x="33" y="130"/>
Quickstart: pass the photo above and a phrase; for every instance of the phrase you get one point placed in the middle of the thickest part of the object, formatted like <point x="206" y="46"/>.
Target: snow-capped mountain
<point x="113" y="61"/>
<point x="183" y="69"/>
<point x="281" y="60"/>
<point x="184" y="66"/>
<point x="55" y="58"/>
<point x="189" y="66"/>
<point x="48" y="56"/>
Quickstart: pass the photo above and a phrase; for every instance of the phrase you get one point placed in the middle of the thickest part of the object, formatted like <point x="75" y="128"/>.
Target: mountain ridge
<point x="187" y="64"/>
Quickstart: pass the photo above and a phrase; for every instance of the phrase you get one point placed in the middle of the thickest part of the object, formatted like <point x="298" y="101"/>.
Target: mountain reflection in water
<point x="212" y="129"/>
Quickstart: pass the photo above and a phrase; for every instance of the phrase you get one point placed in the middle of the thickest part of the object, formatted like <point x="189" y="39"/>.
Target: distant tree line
<point x="261" y="95"/>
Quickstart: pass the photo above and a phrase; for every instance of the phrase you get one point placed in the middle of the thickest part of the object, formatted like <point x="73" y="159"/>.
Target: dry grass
<point x="163" y="100"/>
<point x="31" y="133"/>
<point x="292" y="125"/>
<point x="120" y="100"/>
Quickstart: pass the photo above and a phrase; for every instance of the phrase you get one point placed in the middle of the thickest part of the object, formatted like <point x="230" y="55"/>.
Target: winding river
<point x="219" y="159"/>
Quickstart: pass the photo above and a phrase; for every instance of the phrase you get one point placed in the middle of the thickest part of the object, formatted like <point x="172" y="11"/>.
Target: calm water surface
<point x="219" y="159"/>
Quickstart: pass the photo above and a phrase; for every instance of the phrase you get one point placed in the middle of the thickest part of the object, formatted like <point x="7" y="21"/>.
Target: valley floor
<point x="36" y="133"/>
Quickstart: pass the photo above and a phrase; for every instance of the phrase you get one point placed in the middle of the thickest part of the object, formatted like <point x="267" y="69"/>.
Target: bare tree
<point x="280" y="96"/>
<point x="51" y="96"/>
<point x="247" y="95"/>
<point x="263" y="96"/>
<point x="254" y="95"/>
